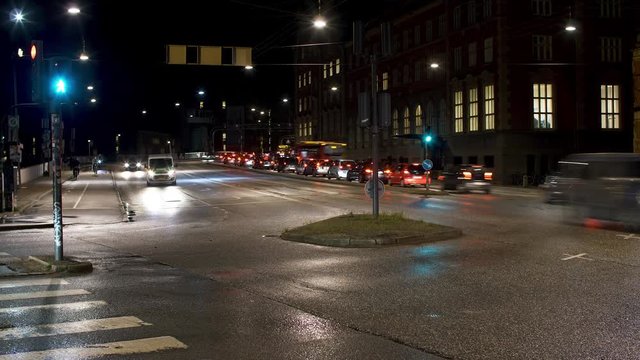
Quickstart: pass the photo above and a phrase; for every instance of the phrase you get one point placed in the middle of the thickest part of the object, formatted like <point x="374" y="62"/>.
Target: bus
<point x="320" y="150"/>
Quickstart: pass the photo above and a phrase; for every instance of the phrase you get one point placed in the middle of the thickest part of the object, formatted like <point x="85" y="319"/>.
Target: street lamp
<point x="89" y="144"/>
<point x="285" y="100"/>
<point x="93" y="100"/>
<point x="201" y="92"/>
<point x="16" y="16"/>
<point x="170" y="150"/>
<point x="177" y="104"/>
<point x="144" y="112"/>
<point x="248" y="67"/>
<point x="90" y="87"/>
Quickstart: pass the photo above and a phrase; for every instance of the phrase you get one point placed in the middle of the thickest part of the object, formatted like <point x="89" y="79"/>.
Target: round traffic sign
<point x="368" y="188"/>
<point x="427" y="164"/>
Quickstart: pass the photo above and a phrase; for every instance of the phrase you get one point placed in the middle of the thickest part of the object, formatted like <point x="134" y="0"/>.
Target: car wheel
<point x="402" y="183"/>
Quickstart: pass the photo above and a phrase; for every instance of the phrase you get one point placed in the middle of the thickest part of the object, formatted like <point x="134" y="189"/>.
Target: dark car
<point x="467" y="177"/>
<point x="287" y="164"/>
<point x="363" y="171"/>
<point x="130" y="165"/>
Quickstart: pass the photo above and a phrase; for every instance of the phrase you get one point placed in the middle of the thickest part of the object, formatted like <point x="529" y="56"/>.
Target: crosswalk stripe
<point x="73" y="306"/>
<point x="128" y="347"/>
<point x="4" y="254"/>
<point x="42" y="294"/>
<point x="31" y="282"/>
<point x="72" y="327"/>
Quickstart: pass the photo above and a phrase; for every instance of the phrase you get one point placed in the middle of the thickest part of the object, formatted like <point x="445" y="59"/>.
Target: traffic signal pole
<point x="56" y="156"/>
<point x="374" y="137"/>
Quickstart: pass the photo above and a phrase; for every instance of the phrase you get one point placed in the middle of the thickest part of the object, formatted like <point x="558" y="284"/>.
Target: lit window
<point x="610" y="106"/>
<point x="542" y="106"/>
<point x="458" y="112"/>
<point x="405" y="40"/>
<point x="330" y="68"/>
<point x="324" y="71"/>
<point x="385" y="81"/>
<point x="406" y="121"/>
<point x="488" y="50"/>
<point x="300" y="129"/>
<point x="299" y="105"/>
<point x="337" y="66"/>
<point x="541" y="7"/>
<point x="473" y="109"/>
<point x="542" y="47"/>
<point x="418" y="119"/>
<point x="310" y="133"/>
<point x="309" y="77"/>
<point x="610" y="49"/>
<point x="304" y="79"/>
<point x="489" y="108"/>
<point x="394" y="121"/>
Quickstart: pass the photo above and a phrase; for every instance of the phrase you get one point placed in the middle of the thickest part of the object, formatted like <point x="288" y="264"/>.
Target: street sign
<point x="368" y="188"/>
<point x="427" y="164"/>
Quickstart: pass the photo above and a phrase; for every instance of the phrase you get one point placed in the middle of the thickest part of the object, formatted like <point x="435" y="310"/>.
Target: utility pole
<point x="374" y="136"/>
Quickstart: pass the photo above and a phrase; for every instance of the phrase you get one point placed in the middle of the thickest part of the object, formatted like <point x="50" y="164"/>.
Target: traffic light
<point x="37" y="70"/>
<point x="59" y="86"/>
<point x="427" y="138"/>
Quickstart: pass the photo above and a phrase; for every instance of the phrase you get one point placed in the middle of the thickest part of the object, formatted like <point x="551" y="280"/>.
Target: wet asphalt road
<point x="514" y="286"/>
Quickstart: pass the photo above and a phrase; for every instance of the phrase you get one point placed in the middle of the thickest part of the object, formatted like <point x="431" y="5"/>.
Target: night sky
<point x="126" y="44"/>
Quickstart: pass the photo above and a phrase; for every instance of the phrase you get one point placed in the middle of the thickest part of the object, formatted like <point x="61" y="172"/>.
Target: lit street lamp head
<point x="74" y="10"/>
<point x="93" y="100"/>
<point x="435" y="65"/>
<point x="285" y="100"/>
<point x="570" y="27"/>
<point x="84" y="57"/>
<point x="248" y="67"/>
<point x="319" y="22"/>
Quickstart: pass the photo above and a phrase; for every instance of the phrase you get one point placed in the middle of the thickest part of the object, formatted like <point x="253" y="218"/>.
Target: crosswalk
<point x="22" y="299"/>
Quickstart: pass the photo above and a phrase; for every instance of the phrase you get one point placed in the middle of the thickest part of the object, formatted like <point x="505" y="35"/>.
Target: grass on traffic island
<point x="363" y="230"/>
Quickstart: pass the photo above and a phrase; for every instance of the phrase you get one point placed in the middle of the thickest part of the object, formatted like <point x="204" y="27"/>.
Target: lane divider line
<point x="81" y="195"/>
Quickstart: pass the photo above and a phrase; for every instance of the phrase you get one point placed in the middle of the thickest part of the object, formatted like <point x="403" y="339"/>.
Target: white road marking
<point x="73" y="306"/>
<point x="72" y="327"/>
<point x="629" y="236"/>
<point x="129" y="347"/>
<point x="4" y="254"/>
<point x="579" y="256"/>
<point x="31" y="282"/>
<point x="42" y="294"/>
<point x="81" y="195"/>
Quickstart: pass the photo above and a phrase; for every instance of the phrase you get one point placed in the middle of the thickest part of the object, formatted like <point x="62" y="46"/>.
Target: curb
<point x="68" y="265"/>
<point x="24" y="226"/>
<point x="374" y="242"/>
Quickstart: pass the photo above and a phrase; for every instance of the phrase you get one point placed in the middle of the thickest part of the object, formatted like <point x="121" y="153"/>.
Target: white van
<point x="161" y="170"/>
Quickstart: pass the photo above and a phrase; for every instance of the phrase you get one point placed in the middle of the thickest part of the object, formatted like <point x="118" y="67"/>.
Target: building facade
<point x="514" y="85"/>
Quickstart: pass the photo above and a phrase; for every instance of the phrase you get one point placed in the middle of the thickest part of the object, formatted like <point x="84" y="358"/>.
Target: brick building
<point x="513" y="89"/>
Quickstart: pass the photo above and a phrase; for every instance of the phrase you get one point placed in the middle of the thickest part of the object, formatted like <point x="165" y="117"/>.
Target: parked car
<point x="340" y="168"/>
<point x="408" y="175"/>
<point x="467" y="177"/>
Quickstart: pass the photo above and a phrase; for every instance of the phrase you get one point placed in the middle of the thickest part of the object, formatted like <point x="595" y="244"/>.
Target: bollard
<point x="524" y="181"/>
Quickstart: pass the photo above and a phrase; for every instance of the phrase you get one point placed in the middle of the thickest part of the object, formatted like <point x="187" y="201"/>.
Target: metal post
<point x="56" y="140"/>
<point x="374" y="136"/>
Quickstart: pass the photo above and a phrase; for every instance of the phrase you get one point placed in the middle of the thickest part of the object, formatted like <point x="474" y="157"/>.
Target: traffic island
<point x="363" y="230"/>
<point x="66" y="265"/>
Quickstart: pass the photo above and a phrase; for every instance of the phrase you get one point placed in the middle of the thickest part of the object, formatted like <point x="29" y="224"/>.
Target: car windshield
<point x="160" y="163"/>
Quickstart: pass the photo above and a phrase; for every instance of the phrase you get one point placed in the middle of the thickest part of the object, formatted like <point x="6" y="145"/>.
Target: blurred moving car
<point x="467" y="177"/>
<point x="602" y="186"/>
<point x="322" y="167"/>
<point x="340" y="168"/>
<point x="553" y="192"/>
<point x="408" y="175"/>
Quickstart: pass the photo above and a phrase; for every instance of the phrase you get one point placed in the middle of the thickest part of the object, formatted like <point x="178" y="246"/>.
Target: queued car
<point x="302" y="165"/>
<point x="408" y="175"/>
<point x="340" y="168"/>
<point x="467" y="177"/>
<point x="322" y="167"/>
<point x="286" y="164"/>
<point x="363" y="171"/>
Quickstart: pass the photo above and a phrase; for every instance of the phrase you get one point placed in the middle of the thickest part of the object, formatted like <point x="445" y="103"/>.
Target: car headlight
<point x="126" y="165"/>
<point x="151" y="173"/>
<point x="138" y="165"/>
<point x="172" y="172"/>
<point x="99" y="161"/>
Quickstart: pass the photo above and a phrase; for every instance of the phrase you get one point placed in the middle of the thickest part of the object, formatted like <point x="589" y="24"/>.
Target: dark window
<point x="457" y="160"/>
<point x="488" y="161"/>
<point x="473" y="159"/>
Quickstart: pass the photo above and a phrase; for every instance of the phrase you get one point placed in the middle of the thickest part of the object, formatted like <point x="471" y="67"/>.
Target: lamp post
<point x="89" y="145"/>
<point x="170" y="150"/>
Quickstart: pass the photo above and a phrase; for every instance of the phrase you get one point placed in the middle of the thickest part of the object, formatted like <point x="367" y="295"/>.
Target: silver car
<point x="340" y="168"/>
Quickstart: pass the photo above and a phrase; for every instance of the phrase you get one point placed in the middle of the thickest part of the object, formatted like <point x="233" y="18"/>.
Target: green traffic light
<point x="60" y="86"/>
<point x="427" y="138"/>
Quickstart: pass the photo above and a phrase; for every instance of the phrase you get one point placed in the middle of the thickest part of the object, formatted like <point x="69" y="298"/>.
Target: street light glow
<point x="570" y="28"/>
<point x="253" y="109"/>
<point x="434" y="65"/>
<point x="319" y="22"/>
<point x="201" y="92"/>
<point x="93" y="100"/>
<point x="90" y="87"/>
<point x="74" y="10"/>
<point x="144" y="112"/>
<point x="334" y="88"/>
<point x="261" y="112"/>
<point x="20" y="52"/>
<point x="177" y="104"/>
<point x="248" y="67"/>
<point x="84" y="57"/>
<point x="285" y="100"/>
<point x="17" y="16"/>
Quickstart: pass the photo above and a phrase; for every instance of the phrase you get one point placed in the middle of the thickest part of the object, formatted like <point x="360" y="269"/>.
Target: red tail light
<point x="387" y="171"/>
<point x="467" y="175"/>
<point x="406" y="172"/>
<point x="368" y="171"/>
<point x="488" y="176"/>
<point x="340" y="167"/>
